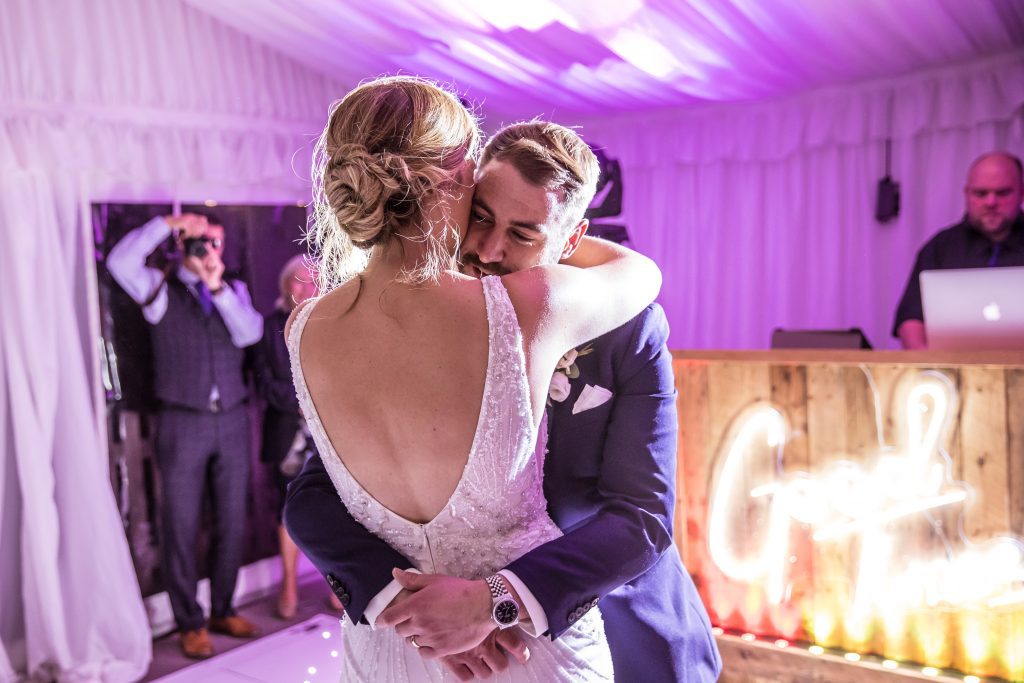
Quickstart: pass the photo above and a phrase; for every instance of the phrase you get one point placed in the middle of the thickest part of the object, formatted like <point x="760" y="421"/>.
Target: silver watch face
<point x="506" y="612"/>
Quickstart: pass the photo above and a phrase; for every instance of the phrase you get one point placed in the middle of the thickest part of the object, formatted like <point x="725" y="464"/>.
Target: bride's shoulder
<point x="338" y="299"/>
<point x="293" y="316"/>
<point x="454" y="285"/>
<point x="530" y="289"/>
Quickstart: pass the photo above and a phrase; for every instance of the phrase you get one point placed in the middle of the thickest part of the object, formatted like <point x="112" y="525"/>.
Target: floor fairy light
<point x="309" y="652"/>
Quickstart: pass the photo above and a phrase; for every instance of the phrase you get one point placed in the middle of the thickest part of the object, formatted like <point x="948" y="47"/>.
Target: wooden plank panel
<point x="732" y="387"/>
<point x="859" y="420"/>
<point x="1013" y="621"/>
<point x="984" y="457"/>
<point x="826" y="410"/>
<point x="918" y="634"/>
<point x="1015" y="447"/>
<point x="789" y="394"/>
<point x="692" y="470"/>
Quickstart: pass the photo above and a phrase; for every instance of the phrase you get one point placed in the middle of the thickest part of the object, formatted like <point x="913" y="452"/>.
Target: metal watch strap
<point x="497" y="586"/>
<point x="505" y="610"/>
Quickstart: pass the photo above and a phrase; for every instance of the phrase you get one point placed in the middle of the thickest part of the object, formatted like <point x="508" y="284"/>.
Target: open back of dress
<point x="496" y="513"/>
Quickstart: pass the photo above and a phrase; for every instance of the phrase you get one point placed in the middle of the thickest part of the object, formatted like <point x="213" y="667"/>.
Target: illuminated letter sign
<point x="856" y="501"/>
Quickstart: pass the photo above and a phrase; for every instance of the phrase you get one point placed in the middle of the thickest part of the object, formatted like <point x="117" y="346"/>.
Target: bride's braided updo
<point x="389" y="146"/>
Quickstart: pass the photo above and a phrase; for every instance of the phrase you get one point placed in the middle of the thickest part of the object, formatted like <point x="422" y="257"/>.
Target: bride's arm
<point x="600" y="287"/>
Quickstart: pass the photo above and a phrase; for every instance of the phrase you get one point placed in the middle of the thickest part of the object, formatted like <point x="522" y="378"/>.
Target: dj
<point x="990" y="234"/>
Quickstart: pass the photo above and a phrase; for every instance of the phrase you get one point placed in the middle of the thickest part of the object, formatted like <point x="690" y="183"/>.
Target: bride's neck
<point x="403" y="253"/>
<point x="407" y="252"/>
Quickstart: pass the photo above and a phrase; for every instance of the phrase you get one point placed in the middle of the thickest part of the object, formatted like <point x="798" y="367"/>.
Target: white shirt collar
<point x="187" y="276"/>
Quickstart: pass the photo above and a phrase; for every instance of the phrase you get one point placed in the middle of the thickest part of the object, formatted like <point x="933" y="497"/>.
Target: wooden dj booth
<point x="856" y="515"/>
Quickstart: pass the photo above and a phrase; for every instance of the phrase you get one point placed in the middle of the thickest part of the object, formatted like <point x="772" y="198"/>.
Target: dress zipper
<point x="430" y="550"/>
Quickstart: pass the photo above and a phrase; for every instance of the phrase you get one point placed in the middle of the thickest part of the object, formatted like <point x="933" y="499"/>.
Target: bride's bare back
<point x="397" y="377"/>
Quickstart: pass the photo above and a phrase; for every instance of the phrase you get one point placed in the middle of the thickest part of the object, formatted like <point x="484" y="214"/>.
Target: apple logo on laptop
<point x="991" y="312"/>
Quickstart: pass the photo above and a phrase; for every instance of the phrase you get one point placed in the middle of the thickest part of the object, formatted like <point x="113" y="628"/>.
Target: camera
<point x="195" y="246"/>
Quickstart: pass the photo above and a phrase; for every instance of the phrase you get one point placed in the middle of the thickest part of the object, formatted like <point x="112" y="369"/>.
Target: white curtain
<point x="71" y="605"/>
<point x="111" y="99"/>
<point x="762" y="215"/>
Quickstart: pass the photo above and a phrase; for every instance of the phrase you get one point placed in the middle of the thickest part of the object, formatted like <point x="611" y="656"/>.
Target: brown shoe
<point x="196" y="644"/>
<point x="234" y="626"/>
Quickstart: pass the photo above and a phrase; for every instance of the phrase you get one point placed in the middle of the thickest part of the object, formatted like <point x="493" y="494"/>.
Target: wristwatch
<point x="504" y="611"/>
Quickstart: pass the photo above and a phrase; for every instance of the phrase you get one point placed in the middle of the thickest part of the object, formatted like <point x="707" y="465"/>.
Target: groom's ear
<point x="572" y="242"/>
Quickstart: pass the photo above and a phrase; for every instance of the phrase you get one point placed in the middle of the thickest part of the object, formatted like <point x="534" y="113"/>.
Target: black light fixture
<point x="887" y="200"/>
<point x="607" y="201"/>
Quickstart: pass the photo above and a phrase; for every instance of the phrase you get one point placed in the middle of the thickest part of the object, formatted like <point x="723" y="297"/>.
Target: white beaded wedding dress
<point x="496" y="514"/>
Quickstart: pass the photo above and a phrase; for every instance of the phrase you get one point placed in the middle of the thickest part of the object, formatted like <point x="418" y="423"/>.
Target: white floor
<point x="308" y="652"/>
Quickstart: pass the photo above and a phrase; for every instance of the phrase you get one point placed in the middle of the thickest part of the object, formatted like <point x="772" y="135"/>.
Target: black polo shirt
<point x="960" y="246"/>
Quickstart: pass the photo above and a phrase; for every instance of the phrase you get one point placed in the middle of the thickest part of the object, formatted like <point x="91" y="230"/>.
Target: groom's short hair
<point x="550" y="156"/>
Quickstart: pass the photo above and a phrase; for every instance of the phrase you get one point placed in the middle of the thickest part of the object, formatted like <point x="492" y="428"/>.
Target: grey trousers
<point x="195" y="452"/>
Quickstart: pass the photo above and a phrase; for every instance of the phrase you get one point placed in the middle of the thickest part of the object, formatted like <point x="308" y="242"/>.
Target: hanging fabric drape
<point x="566" y="58"/>
<point x="134" y="101"/>
<point x="761" y="215"/>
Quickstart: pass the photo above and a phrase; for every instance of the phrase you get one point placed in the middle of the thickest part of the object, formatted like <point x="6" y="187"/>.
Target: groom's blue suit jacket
<point x="609" y="477"/>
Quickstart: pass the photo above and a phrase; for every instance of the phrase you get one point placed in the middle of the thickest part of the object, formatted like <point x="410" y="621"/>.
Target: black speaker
<point x="887" y="203"/>
<point x="852" y="338"/>
<point x="610" y="232"/>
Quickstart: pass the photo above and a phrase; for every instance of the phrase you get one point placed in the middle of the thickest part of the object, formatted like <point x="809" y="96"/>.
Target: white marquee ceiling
<point x="526" y="57"/>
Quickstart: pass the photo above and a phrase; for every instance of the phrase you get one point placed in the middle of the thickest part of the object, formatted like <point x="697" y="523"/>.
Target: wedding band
<point x="412" y="639"/>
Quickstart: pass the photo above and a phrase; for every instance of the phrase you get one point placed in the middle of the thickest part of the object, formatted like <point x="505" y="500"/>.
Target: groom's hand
<point x="447" y="615"/>
<point x="489" y="657"/>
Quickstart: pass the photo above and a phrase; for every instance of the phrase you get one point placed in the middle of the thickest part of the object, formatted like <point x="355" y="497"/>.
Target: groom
<point x="609" y="472"/>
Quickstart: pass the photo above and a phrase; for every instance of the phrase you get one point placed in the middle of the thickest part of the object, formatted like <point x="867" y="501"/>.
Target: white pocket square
<point x="591" y="397"/>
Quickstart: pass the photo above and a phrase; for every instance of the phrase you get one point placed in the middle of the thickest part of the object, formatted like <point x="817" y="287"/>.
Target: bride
<point x="424" y="388"/>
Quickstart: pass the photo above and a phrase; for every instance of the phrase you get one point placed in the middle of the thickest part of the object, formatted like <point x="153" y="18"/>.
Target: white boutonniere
<point x="565" y="371"/>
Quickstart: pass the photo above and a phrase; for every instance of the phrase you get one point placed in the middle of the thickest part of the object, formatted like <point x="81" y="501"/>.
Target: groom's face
<point x="514" y="224"/>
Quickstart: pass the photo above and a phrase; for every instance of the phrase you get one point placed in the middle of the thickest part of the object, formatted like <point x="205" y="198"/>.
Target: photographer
<point x="199" y="323"/>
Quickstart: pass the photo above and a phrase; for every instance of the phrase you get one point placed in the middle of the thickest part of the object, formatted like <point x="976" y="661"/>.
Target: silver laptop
<point x="974" y="308"/>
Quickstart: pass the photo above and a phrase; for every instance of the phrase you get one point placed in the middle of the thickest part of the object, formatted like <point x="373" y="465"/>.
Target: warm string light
<point x="849" y="500"/>
<point x="852" y="657"/>
<point x="859" y="502"/>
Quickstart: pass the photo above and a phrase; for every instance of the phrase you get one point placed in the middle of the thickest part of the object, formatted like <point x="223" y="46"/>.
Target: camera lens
<point x="196" y="246"/>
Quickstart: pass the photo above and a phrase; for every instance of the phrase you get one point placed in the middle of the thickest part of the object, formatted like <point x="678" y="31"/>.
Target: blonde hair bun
<point x="370" y="193"/>
<point x="388" y="147"/>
